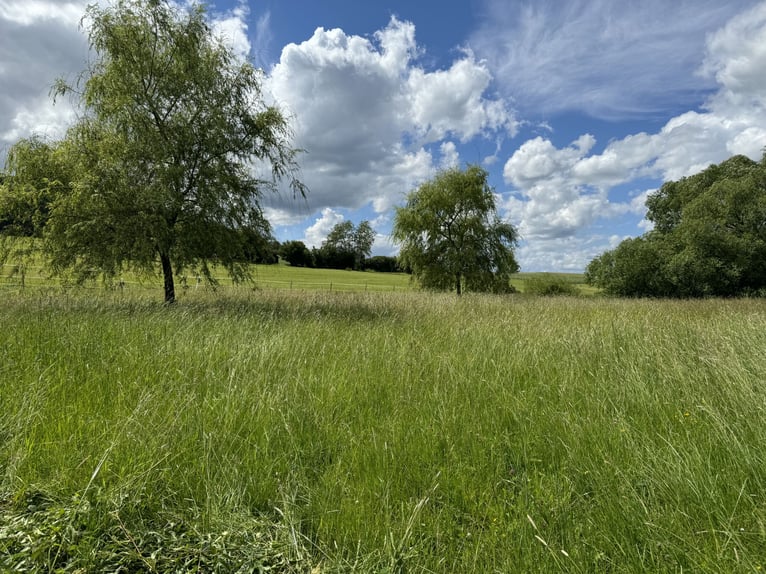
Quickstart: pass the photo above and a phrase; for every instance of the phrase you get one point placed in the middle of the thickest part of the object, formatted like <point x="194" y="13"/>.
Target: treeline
<point x="346" y="247"/>
<point x="709" y="238"/>
<point x="23" y="213"/>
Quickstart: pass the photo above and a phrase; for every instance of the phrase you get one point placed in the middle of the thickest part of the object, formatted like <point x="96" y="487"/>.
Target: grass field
<point x="278" y="277"/>
<point x="318" y="431"/>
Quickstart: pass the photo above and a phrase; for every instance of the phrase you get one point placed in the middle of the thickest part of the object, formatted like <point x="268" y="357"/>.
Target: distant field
<point x="317" y="431"/>
<point x="281" y="277"/>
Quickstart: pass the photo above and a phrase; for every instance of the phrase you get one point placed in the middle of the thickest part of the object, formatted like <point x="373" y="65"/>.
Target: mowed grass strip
<point x="388" y="431"/>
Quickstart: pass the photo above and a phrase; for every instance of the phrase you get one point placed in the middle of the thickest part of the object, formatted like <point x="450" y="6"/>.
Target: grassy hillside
<point x="334" y="432"/>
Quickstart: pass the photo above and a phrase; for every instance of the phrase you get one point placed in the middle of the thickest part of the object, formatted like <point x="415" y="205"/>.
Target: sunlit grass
<point x="264" y="277"/>
<point x="400" y="431"/>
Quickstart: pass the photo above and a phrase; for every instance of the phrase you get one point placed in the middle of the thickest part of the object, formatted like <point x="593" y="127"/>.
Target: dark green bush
<point x="548" y="285"/>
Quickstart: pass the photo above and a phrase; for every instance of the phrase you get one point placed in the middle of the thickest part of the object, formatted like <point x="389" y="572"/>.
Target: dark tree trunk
<point x="167" y="273"/>
<point x="458" y="287"/>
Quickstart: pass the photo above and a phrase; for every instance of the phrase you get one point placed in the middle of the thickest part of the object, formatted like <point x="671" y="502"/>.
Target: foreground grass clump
<point x="382" y="432"/>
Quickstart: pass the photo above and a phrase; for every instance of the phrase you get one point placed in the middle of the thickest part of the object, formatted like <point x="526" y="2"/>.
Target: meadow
<point x="316" y="431"/>
<point x="276" y="277"/>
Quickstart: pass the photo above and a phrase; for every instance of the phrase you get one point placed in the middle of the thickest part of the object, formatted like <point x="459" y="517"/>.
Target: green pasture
<point x="269" y="277"/>
<point x="317" y="431"/>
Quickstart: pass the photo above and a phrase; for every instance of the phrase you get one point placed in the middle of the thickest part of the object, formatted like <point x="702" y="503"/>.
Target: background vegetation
<point x="330" y="432"/>
<point x="709" y="238"/>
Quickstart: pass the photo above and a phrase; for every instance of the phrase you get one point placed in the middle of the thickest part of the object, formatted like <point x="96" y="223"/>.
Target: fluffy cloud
<point x="449" y="155"/>
<point x="364" y="112"/>
<point x="564" y="254"/>
<point x="30" y="12"/>
<point x="39" y="42"/>
<point x="450" y="102"/>
<point x="553" y="202"/>
<point x="232" y="28"/>
<point x="317" y="232"/>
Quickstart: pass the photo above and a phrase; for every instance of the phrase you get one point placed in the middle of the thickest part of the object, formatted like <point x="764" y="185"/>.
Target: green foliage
<point x="163" y="158"/>
<point x="341" y="236"/>
<point x="451" y="236"/>
<point x="382" y="264"/>
<point x="709" y="238"/>
<point x="296" y="254"/>
<point x="364" y="237"/>
<point x="633" y="269"/>
<point x="346" y="246"/>
<point x="36" y="175"/>
<point x="548" y="284"/>
<point x="330" y="256"/>
<point x="259" y="245"/>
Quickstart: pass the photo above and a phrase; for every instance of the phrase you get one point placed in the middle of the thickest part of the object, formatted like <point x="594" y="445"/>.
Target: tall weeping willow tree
<point x="173" y="151"/>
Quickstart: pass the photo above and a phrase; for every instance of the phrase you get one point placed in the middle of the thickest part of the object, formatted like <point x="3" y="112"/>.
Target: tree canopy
<point x="165" y="162"/>
<point x="36" y="173"/>
<point x="346" y="246"/>
<point x="296" y="254"/>
<point x="709" y="238"/>
<point x="451" y="236"/>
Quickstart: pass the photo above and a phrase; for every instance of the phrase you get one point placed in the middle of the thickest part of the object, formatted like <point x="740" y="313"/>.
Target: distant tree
<point x="269" y="254"/>
<point x="709" y="238"/>
<point x="35" y="176"/>
<point x="451" y="236"/>
<point x="364" y="237"/>
<point x="259" y="245"/>
<point x="296" y="254"/>
<point x="329" y="256"/>
<point x="382" y="264"/>
<point x="163" y="158"/>
<point x="346" y="246"/>
<point x="341" y="236"/>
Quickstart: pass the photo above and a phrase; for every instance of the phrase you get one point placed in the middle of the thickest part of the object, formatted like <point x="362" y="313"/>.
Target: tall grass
<point x="383" y="432"/>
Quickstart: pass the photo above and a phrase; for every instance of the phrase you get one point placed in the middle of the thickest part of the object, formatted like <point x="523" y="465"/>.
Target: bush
<point x="382" y="264"/>
<point x="296" y="254"/>
<point x="547" y="285"/>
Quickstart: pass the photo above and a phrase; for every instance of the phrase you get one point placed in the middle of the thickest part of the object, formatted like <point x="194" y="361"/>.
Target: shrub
<point x="547" y="285"/>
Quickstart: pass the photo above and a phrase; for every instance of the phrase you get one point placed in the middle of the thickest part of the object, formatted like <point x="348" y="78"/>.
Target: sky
<point x="578" y="109"/>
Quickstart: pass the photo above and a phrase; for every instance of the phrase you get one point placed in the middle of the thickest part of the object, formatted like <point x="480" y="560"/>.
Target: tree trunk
<point x="458" y="287"/>
<point x="167" y="273"/>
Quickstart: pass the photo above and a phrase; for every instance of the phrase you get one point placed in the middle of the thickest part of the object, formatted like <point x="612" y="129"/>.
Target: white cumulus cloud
<point x="364" y="111"/>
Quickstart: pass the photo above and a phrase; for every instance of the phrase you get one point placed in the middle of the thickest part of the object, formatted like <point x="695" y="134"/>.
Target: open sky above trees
<point x="576" y="112"/>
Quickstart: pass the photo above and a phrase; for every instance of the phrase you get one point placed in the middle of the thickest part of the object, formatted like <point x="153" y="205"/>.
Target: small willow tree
<point x="165" y="155"/>
<point x="451" y="236"/>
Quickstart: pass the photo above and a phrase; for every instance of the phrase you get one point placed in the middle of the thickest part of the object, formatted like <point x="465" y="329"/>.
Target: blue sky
<point x="577" y="109"/>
